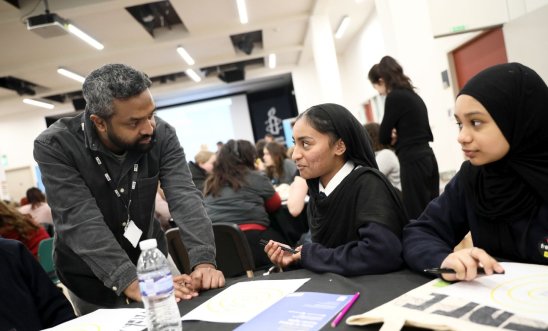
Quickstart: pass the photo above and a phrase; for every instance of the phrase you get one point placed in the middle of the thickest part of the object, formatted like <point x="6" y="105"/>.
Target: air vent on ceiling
<point x="232" y="72"/>
<point x="245" y="42"/>
<point x="155" y="16"/>
<point x="22" y="87"/>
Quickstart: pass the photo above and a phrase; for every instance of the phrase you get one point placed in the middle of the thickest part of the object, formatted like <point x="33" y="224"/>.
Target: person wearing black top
<point x="500" y="194"/>
<point x="355" y="214"/>
<point x="405" y="125"/>
<point x="28" y="300"/>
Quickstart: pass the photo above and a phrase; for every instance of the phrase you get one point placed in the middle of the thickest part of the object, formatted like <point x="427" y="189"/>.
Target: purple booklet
<point x="306" y="311"/>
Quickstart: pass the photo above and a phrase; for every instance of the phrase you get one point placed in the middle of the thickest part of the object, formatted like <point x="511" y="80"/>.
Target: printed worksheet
<point x="242" y="301"/>
<point x="522" y="290"/>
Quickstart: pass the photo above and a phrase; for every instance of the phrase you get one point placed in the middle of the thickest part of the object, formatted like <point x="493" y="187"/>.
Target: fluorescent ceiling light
<point x="192" y="74"/>
<point x="71" y="75"/>
<point x="272" y="61"/>
<point x="184" y="54"/>
<point x="342" y="27"/>
<point x="38" y="103"/>
<point x="84" y="36"/>
<point x="242" y="11"/>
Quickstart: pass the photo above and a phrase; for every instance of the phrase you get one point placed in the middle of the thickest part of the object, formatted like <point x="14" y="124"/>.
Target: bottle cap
<point x="147" y="244"/>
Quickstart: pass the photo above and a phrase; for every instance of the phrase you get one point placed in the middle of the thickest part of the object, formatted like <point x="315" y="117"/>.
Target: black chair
<point x="178" y="251"/>
<point x="234" y="257"/>
<point x="49" y="228"/>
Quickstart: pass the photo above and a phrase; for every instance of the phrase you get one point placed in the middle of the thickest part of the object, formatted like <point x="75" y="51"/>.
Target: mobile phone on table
<point x="284" y="248"/>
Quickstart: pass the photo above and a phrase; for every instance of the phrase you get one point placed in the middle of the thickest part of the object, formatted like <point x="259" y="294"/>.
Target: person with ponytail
<point x="405" y="126"/>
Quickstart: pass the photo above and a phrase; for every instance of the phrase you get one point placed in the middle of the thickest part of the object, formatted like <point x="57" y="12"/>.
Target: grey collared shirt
<point x="92" y="257"/>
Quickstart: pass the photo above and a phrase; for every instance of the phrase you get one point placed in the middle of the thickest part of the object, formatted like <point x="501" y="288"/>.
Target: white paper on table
<point x="122" y="319"/>
<point x="522" y="289"/>
<point x="242" y="301"/>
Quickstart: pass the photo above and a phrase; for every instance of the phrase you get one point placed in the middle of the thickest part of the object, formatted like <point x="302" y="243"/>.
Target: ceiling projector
<point x="47" y="25"/>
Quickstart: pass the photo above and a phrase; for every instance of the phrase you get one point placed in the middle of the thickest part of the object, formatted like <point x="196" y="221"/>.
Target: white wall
<point x="526" y="40"/>
<point x="364" y="51"/>
<point x="306" y="86"/>
<point x="17" y="133"/>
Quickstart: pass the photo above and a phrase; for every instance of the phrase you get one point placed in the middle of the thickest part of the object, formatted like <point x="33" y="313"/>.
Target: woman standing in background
<point x="405" y="126"/>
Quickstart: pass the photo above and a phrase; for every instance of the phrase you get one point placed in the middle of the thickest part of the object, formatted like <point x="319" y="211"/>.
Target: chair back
<point x="45" y="257"/>
<point x="234" y="257"/>
<point x="178" y="251"/>
<point x="50" y="229"/>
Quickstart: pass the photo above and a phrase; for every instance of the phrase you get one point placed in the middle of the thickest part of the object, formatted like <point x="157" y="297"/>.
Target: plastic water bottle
<point x="156" y="286"/>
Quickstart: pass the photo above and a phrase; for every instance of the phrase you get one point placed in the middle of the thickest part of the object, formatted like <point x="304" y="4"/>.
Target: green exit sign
<point x="458" y="28"/>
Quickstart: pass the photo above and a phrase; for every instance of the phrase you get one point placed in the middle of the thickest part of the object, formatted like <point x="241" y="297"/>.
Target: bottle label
<point x="156" y="285"/>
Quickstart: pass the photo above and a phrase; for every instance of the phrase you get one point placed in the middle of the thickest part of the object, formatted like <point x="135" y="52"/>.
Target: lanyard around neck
<point x="108" y="178"/>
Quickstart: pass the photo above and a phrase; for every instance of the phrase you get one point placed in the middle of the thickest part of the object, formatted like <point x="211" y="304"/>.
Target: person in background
<point x="21" y="227"/>
<point x="386" y="159"/>
<point x="405" y="126"/>
<point x="201" y="168"/>
<point x="500" y="194"/>
<point x="101" y="171"/>
<point x="37" y="206"/>
<point x="355" y="214"/>
<point x="259" y="147"/>
<point x="236" y="192"/>
<point x="279" y="169"/>
<point x="161" y="210"/>
<point x="269" y="137"/>
<point x="298" y="190"/>
<point x="219" y="145"/>
<point x="29" y="300"/>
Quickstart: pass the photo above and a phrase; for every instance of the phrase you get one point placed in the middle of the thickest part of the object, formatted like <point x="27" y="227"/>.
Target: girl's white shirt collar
<point x="338" y="178"/>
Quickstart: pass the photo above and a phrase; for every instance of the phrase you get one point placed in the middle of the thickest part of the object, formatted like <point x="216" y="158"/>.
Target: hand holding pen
<point x="466" y="264"/>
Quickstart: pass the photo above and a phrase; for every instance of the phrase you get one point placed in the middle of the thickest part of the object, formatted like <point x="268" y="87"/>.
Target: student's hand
<point x="133" y="292"/>
<point x="394" y="137"/>
<point x="182" y="286"/>
<point x="466" y="262"/>
<point x="205" y="277"/>
<point x="280" y="257"/>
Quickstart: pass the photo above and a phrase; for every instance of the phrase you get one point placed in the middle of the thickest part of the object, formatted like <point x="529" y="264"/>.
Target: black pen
<point x="284" y="248"/>
<point x="438" y="271"/>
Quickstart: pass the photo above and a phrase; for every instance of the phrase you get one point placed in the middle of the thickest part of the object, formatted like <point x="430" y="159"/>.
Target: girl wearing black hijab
<point x="501" y="193"/>
<point x="355" y="214"/>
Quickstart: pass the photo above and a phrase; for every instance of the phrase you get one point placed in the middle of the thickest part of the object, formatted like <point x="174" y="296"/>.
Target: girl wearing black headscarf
<point x="355" y="214"/>
<point x="501" y="193"/>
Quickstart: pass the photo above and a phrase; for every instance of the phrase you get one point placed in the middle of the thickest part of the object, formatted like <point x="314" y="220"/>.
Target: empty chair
<point x="178" y="251"/>
<point x="45" y="257"/>
<point x="234" y="257"/>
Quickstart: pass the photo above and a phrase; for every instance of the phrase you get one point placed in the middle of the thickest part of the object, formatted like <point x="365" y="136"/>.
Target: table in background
<point x="374" y="289"/>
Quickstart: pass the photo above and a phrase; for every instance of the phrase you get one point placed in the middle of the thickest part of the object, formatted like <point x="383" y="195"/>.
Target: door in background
<point x="482" y="52"/>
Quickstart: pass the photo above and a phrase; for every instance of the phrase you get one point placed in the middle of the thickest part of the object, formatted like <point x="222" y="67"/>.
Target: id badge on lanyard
<point x="131" y="231"/>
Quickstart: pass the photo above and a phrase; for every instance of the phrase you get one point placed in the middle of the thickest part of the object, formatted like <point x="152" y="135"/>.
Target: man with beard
<point x="101" y="171"/>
